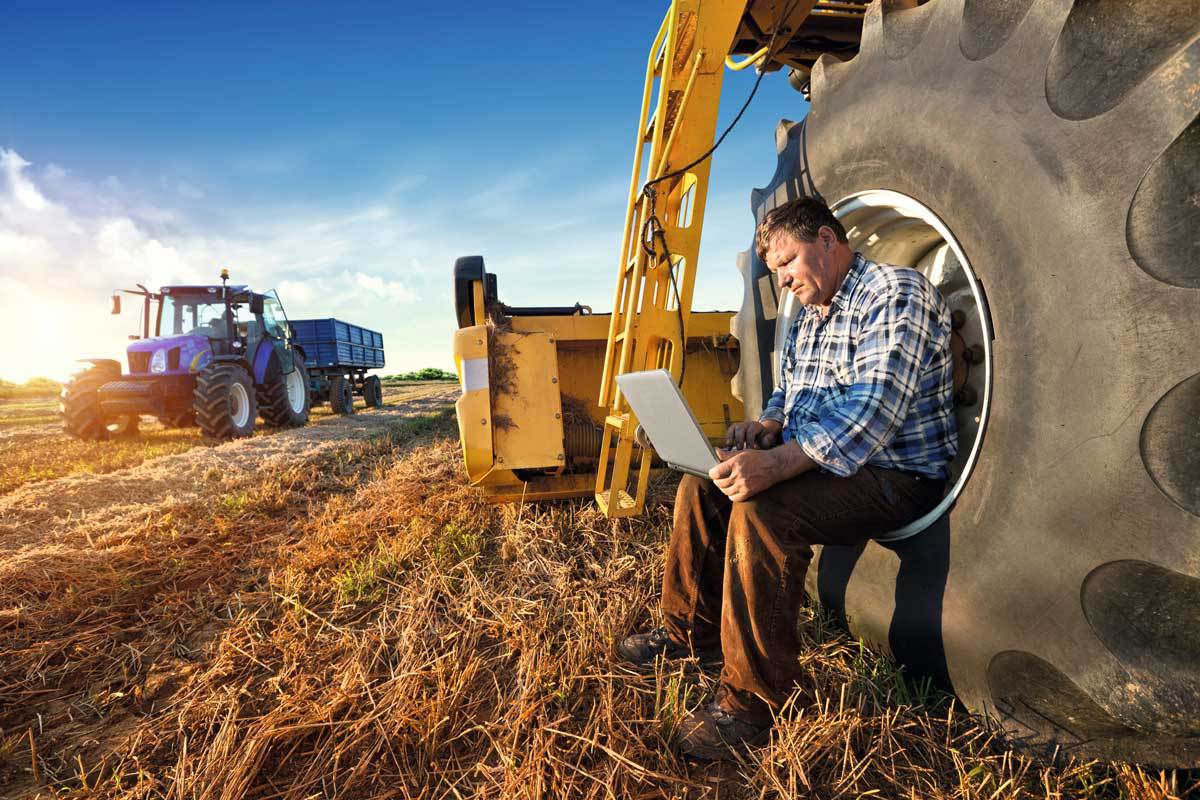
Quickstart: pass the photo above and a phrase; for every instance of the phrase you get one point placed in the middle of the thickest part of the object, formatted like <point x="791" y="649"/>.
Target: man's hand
<point x="744" y="473"/>
<point x="753" y="435"/>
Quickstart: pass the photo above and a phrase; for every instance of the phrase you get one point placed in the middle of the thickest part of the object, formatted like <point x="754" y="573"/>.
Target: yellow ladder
<point x="653" y="296"/>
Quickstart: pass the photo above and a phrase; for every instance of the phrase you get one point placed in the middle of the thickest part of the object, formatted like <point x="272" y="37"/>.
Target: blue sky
<point x="344" y="154"/>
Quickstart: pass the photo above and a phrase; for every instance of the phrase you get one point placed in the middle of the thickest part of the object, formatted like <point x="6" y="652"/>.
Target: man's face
<point x="806" y="269"/>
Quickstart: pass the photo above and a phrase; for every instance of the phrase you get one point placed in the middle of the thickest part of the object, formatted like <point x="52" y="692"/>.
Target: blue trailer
<point x="337" y="355"/>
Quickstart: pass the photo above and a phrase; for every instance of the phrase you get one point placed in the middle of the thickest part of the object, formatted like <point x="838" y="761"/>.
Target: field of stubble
<point x="331" y="612"/>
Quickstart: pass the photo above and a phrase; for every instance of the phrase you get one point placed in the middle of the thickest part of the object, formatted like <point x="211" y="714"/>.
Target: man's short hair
<point x="801" y="217"/>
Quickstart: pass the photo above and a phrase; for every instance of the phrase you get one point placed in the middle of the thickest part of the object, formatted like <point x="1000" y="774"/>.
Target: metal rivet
<point x="554" y="380"/>
<point x="483" y="421"/>
<point x="557" y="416"/>
<point x="560" y="456"/>
<point x="479" y="341"/>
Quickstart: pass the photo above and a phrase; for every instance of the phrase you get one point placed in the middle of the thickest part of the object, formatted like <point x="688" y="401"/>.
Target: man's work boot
<point x="712" y="732"/>
<point x="642" y="648"/>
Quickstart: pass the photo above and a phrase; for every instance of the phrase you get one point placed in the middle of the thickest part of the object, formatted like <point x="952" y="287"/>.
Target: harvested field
<point x="34" y="448"/>
<point x="331" y="612"/>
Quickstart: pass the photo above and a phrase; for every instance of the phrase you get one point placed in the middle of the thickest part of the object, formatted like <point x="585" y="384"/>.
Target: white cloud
<point x="19" y="187"/>
<point x="383" y="261"/>
<point x="395" y="291"/>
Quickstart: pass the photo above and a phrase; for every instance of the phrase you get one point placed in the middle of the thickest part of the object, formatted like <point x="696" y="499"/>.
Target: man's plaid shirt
<point x="871" y="382"/>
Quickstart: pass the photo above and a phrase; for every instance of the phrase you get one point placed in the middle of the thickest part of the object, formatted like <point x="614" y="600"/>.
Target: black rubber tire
<point x="1060" y="145"/>
<point x="80" y="406"/>
<point x="214" y="397"/>
<point x="274" y="403"/>
<point x="373" y="391"/>
<point x="341" y="395"/>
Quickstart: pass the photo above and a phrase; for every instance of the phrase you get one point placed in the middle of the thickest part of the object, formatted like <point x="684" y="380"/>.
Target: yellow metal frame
<point x="648" y="326"/>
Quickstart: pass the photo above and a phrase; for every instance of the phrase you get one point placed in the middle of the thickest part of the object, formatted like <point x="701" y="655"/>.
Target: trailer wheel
<point x="283" y="400"/>
<point x="224" y="401"/>
<point x="80" y="405"/>
<point x="341" y="395"/>
<point x="1048" y="151"/>
<point x="373" y="391"/>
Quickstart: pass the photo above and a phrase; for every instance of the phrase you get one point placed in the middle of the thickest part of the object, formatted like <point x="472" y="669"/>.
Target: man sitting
<point x="853" y="443"/>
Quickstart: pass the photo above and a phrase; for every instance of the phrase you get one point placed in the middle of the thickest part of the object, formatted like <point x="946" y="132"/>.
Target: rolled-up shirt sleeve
<point x="774" y="409"/>
<point x="895" y="336"/>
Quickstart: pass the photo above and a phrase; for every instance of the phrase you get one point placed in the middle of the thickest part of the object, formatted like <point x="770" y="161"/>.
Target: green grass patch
<point x="459" y="541"/>
<point x="363" y="580"/>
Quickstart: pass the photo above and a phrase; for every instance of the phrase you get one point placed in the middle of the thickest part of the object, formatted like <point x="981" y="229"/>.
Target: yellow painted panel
<point x="474" y="406"/>
<point x="527" y="424"/>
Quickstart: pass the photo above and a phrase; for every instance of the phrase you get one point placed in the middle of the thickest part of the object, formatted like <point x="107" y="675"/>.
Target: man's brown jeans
<point x="734" y="578"/>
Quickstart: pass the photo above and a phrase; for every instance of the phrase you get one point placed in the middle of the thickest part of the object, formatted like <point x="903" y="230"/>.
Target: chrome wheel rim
<point x="295" y="391"/>
<point x="239" y="405"/>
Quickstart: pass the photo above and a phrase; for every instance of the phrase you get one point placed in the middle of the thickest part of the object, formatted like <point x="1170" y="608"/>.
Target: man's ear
<point x="828" y="237"/>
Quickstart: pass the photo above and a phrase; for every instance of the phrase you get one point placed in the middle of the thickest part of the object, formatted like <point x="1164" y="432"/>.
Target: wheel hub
<point x="295" y="391"/>
<point x="239" y="404"/>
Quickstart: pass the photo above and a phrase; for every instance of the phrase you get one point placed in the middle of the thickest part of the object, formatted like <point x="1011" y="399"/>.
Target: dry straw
<point x="361" y="625"/>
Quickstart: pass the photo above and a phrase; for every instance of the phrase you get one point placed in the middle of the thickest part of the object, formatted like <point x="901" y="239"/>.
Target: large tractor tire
<point x="283" y="400"/>
<point x="1046" y="152"/>
<point x="80" y="404"/>
<point x="224" y="401"/>
<point x="373" y="391"/>
<point x="341" y="395"/>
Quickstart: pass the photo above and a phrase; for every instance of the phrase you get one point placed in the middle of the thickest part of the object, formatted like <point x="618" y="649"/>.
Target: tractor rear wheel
<point x="283" y="399"/>
<point x="1047" y="151"/>
<point x="373" y="391"/>
<point x="341" y="395"/>
<point x="224" y="401"/>
<point x="80" y="404"/>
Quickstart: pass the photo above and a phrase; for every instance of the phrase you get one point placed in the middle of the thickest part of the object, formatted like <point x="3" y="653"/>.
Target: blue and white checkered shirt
<point x="871" y="382"/>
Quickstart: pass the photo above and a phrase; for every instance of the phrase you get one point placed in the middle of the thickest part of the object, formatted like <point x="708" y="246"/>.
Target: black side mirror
<point x="256" y="304"/>
<point x="116" y="304"/>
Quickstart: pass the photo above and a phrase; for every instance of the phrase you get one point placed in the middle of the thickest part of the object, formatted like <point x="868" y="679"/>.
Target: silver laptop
<point x="668" y="421"/>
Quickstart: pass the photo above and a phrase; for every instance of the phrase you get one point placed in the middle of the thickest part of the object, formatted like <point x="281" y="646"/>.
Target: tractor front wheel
<point x="224" y="402"/>
<point x="341" y="395"/>
<point x="80" y="404"/>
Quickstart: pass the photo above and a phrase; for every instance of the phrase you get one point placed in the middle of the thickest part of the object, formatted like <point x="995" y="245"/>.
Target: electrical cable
<point x="653" y="228"/>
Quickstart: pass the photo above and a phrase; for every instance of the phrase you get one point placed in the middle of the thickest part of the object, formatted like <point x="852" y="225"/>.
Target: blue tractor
<point x="213" y="356"/>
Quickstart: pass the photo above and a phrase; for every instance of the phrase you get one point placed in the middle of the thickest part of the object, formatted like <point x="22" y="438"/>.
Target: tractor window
<point x="273" y="315"/>
<point x="193" y="314"/>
